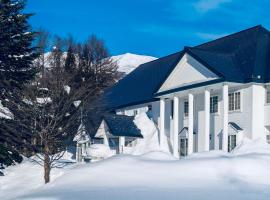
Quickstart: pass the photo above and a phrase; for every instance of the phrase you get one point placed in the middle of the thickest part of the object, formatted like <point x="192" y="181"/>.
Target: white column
<point x="225" y="118"/>
<point x="162" y="123"/>
<point x="190" y="123"/>
<point x="207" y="120"/>
<point x="121" y="144"/>
<point x="175" y="126"/>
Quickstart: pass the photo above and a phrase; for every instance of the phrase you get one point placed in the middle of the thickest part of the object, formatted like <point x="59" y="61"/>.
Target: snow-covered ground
<point x="128" y="62"/>
<point x="216" y="175"/>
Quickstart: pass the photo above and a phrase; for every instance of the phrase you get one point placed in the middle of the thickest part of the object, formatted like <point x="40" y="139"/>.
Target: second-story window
<point x="186" y="108"/>
<point x="214" y="104"/>
<point x="234" y="101"/>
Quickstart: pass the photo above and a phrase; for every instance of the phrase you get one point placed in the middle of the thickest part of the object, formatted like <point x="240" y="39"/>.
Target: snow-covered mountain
<point x="128" y="62"/>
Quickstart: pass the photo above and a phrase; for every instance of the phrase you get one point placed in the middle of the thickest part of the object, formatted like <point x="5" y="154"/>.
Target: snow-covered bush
<point x="8" y="157"/>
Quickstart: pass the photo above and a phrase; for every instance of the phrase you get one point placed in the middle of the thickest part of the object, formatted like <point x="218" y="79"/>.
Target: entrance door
<point x="231" y="142"/>
<point x="183" y="147"/>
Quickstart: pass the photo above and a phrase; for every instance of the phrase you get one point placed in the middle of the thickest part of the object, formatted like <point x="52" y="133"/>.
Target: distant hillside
<point x="128" y="62"/>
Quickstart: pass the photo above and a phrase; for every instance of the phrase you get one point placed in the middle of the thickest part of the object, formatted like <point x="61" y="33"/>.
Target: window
<point x="135" y="112"/>
<point x="149" y="107"/>
<point x="231" y="142"/>
<point x="268" y="96"/>
<point x="214" y="104"/>
<point x="183" y="147"/>
<point x="186" y="108"/>
<point x="234" y="101"/>
<point x="268" y="139"/>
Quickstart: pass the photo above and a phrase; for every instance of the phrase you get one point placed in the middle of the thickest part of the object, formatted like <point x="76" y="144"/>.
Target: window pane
<point x="214" y="104"/>
<point x="186" y="108"/>
<point x="237" y="101"/>
<point x="231" y="101"/>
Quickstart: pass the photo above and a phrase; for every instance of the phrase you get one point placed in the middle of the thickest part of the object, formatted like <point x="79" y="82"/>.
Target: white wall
<point x="187" y="71"/>
<point x="258" y="102"/>
<point x="252" y="118"/>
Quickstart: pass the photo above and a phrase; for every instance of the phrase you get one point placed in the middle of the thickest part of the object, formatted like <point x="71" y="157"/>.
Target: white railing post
<point x="207" y="120"/>
<point x="162" y="123"/>
<point x="175" y="126"/>
<point x="225" y="118"/>
<point x="190" y="123"/>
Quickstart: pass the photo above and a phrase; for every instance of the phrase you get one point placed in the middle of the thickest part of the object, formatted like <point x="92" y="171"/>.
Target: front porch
<point x="199" y="119"/>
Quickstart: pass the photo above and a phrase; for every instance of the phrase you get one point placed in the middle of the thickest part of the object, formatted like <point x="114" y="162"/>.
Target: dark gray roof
<point x="122" y="125"/>
<point x="241" y="57"/>
<point x="185" y="129"/>
<point x="235" y="126"/>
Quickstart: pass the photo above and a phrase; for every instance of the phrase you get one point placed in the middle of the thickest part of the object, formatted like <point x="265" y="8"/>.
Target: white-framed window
<point x="231" y="142"/>
<point x="183" y="147"/>
<point x="135" y="112"/>
<point x="186" y="108"/>
<point x="234" y="101"/>
<point x="268" y="139"/>
<point x="267" y="96"/>
<point x="214" y="104"/>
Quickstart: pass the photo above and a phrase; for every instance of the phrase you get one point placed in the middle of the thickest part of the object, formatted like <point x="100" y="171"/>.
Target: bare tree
<point x="54" y="100"/>
<point x="52" y="112"/>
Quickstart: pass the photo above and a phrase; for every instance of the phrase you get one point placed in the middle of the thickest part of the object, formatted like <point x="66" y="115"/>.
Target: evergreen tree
<point x="16" y="69"/>
<point x="16" y="51"/>
<point x="70" y="62"/>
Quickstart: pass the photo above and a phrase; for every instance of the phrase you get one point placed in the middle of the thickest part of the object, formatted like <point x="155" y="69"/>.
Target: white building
<point x="206" y="97"/>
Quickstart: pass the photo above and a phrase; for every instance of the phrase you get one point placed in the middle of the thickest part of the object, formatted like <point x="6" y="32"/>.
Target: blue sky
<point x="150" y="27"/>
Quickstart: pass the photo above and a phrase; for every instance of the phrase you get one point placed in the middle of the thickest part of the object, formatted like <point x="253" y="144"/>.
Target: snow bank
<point x="150" y="141"/>
<point x="5" y="112"/>
<point x="99" y="151"/>
<point x="158" y="155"/>
<point x="248" y="146"/>
<point x="202" y="176"/>
<point x="24" y="178"/>
<point x="127" y="177"/>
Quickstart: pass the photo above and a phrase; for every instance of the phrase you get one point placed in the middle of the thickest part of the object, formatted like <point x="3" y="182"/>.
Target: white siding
<point x="253" y="117"/>
<point x="187" y="71"/>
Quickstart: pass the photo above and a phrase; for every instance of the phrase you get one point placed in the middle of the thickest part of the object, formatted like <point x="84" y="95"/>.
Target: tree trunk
<point x="47" y="168"/>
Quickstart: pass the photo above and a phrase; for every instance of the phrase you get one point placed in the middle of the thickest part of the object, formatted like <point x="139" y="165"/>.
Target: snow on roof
<point x="81" y="136"/>
<point x="122" y="125"/>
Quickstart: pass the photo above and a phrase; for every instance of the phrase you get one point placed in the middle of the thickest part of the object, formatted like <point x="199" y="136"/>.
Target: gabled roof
<point x="122" y="125"/>
<point x="240" y="57"/>
<point x="235" y="126"/>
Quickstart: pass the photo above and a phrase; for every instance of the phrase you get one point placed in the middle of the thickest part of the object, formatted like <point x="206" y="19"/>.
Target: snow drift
<point x="157" y="175"/>
<point x="150" y="140"/>
<point x="99" y="151"/>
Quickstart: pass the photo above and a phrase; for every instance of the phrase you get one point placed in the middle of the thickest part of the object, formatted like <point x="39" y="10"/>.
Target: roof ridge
<point x="230" y="35"/>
